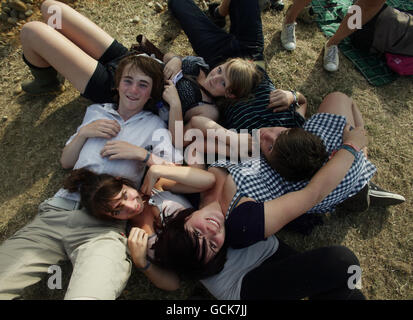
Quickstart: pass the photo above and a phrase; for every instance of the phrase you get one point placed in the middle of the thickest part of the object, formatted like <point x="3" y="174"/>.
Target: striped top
<point x="252" y="113"/>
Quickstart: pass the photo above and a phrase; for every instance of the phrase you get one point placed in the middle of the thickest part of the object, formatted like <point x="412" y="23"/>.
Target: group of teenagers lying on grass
<point x="131" y="200"/>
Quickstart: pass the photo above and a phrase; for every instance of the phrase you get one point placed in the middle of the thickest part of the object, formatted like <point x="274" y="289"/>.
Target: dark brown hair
<point x="149" y="67"/>
<point x="297" y="154"/>
<point x="96" y="190"/>
<point x="178" y="250"/>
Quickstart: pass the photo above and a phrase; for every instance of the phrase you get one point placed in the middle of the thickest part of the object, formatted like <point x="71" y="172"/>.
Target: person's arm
<point x="97" y="129"/>
<point x="124" y="150"/>
<point x="369" y="9"/>
<point x="229" y="138"/>
<point x="302" y="104"/>
<point x="280" y="211"/>
<point x="178" y="179"/>
<point x="280" y="100"/>
<point x="170" y="94"/>
<point x="173" y="64"/>
<point x="138" y="245"/>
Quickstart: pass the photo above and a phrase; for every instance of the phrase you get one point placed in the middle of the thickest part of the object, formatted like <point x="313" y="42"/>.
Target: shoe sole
<point x="384" y="199"/>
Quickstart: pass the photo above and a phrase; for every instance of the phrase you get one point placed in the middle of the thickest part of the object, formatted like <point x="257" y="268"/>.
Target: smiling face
<point x="126" y="204"/>
<point x="134" y="89"/>
<point x="217" y="81"/>
<point x="208" y="224"/>
<point x="268" y="136"/>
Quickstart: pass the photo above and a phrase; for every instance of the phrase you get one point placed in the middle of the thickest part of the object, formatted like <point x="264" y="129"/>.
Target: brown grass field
<point x="33" y="131"/>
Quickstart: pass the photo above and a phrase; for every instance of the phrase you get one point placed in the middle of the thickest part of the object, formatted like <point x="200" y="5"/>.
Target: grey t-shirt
<point x="226" y="285"/>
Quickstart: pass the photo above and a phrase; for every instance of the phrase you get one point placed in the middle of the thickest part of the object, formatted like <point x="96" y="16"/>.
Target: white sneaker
<point x="330" y="58"/>
<point x="288" y="36"/>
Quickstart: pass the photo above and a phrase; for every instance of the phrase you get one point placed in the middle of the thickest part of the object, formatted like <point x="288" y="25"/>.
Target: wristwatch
<point x="295" y="104"/>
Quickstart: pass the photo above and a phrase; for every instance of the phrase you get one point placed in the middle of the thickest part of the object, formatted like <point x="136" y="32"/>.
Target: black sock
<point x="33" y="66"/>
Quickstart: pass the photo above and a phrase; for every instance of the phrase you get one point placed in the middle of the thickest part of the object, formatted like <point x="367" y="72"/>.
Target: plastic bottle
<point x="163" y="111"/>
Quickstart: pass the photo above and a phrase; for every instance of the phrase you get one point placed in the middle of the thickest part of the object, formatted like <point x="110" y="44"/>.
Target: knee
<point x="30" y="30"/>
<point x="46" y="5"/>
<point x="337" y="95"/>
<point x="334" y="100"/>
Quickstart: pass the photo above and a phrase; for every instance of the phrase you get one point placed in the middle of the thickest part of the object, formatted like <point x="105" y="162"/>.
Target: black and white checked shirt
<point x="256" y="179"/>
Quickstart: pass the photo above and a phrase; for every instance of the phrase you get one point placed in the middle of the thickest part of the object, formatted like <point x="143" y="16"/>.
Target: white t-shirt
<point x="226" y="285"/>
<point x="144" y="129"/>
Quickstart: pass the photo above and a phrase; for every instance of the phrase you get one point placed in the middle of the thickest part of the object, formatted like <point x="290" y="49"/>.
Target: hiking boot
<point x="330" y="61"/>
<point x="288" y="36"/>
<point x="45" y="81"/>
<point x="145" y="46"/>
<point x="382" y="198"/>
<point x="360" y="202"/>
<point x="215" y="16"/>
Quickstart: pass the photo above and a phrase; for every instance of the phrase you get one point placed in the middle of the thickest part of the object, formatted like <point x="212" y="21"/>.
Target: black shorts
<point x="100" y="88"/>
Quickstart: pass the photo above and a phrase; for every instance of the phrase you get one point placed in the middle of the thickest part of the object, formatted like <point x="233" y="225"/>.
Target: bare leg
<point x="73" y="50"/>
<point x="369" y="8"/>
<point x="294" y="10"/>
<point x="43" y="46"/>
<point x="339" y="103"/>
<point x="80" y="30"/>
<point x="223" y="8"/>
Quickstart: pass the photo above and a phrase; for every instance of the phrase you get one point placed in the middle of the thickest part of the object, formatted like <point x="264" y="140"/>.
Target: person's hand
<point x="123" y="150"/>
<point x="102" y="128"/>
<point x="170" y="94"/>
<point x="138" y="246"/>
<point x="280" y="100"/>
<point x="173" y="66"/>
<point x="356" y="136"/>
<point x="151" y="177"/>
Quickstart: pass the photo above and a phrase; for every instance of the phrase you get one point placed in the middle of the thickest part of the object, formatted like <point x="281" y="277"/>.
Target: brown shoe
<point x="144" y="45"/>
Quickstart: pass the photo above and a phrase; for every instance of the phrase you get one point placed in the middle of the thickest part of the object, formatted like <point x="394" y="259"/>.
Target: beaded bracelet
<point x="349" y="148"/>
<point x="148" y="264"/>
<point x="147" y="157"/>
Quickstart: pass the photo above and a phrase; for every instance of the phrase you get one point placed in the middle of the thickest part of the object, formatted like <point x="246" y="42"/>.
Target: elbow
<point x="65" y="164"/>
<point x="211" y="181"/>
<point x="172" y="286"/>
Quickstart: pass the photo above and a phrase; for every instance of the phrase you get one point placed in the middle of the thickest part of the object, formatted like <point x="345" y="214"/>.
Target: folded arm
<point x="97" y="129"/>
<point x="138" y="245"/>
<point x="280" y="211"/>
<point x="180" y="179"/>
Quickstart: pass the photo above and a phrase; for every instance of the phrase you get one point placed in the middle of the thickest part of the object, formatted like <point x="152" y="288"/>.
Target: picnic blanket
<point x="373" y="67"/>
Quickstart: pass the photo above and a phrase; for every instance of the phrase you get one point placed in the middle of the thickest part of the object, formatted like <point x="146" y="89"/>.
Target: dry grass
<point x="36" y="129"/>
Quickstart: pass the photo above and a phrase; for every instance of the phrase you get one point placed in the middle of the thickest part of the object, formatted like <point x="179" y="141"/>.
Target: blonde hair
<point x="243" y="75"/>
